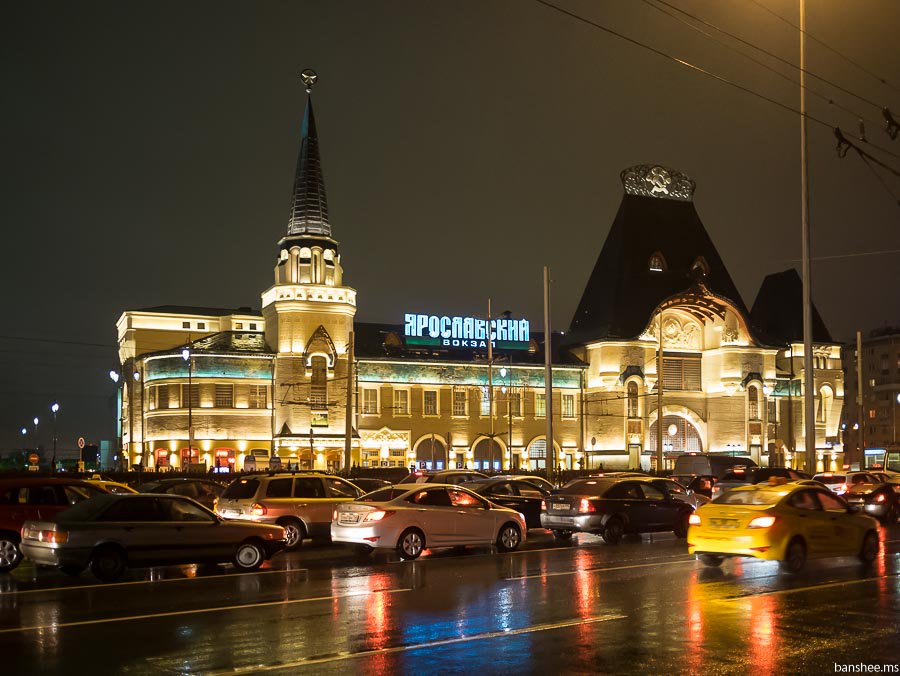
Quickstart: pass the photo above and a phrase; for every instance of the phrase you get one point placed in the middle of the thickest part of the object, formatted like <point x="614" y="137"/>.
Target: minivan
<point x="708" y="463"/>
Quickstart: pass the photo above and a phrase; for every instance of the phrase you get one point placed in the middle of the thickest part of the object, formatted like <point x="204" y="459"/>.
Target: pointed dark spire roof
<point x="656" y="219"/>
<point x="778" y="310"/>
<point x="309" y="207"/>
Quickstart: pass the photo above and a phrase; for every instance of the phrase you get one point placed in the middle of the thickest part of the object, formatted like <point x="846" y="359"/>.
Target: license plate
<point x="561" y="505"/>
<point x="232" y="512"/>
<point x="724" y="523"/>
<point x="348" y="518"/>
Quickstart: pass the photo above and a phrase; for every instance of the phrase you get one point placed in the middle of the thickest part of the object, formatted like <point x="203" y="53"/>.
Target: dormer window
<point x="700" y="267"/>
<point x="657" y="263"/>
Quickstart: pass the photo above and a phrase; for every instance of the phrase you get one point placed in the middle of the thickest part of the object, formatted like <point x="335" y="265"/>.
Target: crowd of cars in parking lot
<point x="733" y="510"/>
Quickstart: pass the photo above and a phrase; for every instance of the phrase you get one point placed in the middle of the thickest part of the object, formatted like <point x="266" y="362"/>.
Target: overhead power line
<point x="825" y="45"/>
<point x="787" y="62"/>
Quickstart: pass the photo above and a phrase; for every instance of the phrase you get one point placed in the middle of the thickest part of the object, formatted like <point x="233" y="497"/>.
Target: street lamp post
<point x="35" y="423"/>
<point x="186" y="355"/>
<point x="55" y="409"/>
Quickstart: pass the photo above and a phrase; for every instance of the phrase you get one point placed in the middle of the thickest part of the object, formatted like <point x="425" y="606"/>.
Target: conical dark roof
<point x="656" y="216"/>
<point x="778" y="310"/>
<point x="309" y="207"/>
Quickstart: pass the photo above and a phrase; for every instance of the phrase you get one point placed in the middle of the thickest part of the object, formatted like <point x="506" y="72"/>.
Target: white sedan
<point x="413" y="517"/>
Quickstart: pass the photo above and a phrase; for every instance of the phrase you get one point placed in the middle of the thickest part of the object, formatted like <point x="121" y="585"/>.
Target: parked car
<point x="302" y="503"/>
<point x="841" y="482"/>
<point x="367" y="485"/>
<point x="540" y="482"/>
<point x="445" y="476"/>
<point x="611" y="507"/>
<point x="785" y="522"/>
<point x="879" y="500"/>
<point x="202" y="490"/>
<point x="26" y="499"/>
<point x="745" y="476"/>
<point x="709" y="463"/>
<point x="111" y="486"/>
<point x="110" y="533"/>
<point x="517" y="494"/>
<point x="412" y="518"/>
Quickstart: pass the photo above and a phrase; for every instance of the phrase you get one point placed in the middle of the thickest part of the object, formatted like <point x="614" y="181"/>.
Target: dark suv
<point x="446" y="476"/>
<point x="35" y="499"/>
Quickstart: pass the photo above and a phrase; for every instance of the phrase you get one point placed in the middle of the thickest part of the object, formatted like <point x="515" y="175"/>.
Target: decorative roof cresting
<point x="653" y="180"/>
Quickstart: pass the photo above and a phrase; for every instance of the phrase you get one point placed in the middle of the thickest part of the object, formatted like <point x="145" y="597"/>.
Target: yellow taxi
<point x="111" y="486"/>
<point x="780" y="521"/>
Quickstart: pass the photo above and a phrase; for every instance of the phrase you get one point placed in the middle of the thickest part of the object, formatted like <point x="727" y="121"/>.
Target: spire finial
<point x="309" y="77"/>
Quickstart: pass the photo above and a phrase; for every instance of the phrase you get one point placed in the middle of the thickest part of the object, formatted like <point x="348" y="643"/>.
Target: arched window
<point x="753" y="402"/>
<point x="318" y="389"/>
<point x="657" y="262"/>
<point x="826" y="397"/>
<point x="633" y="407"/>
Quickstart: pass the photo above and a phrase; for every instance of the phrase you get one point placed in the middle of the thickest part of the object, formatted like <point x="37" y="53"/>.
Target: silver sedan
<point x="110" y="533"/>
<point x="411" y="518"/>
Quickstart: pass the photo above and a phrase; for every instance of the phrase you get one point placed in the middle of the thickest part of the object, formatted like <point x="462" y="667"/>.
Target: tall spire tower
<point x="309" y="312"/>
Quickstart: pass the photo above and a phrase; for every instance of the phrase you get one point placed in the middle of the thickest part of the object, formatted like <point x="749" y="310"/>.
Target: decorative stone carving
<point x="652" y="180"/>
<point x="676" y="333"/>
<point x="730" y="336"/>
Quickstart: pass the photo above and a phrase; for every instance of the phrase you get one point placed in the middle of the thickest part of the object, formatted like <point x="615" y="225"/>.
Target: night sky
<point x="149" y="147"/>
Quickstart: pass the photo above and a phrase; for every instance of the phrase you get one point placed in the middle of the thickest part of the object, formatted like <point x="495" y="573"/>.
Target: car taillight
<point x="762" y="522"/>
<point x="377" y="516"/>
<point x="694" y="519"/>
<point x="586" y="506"/>
<point x="258" y="510"/>
<point x="334" y="515"/>
<point x="879" y="497"/>
<point x="841" y="489"/>
<point x="543" y="505"/>
<point x="56" y="537"/>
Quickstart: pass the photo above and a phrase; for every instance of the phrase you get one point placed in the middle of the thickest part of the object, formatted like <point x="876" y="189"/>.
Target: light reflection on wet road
<point x="640" y="607"/>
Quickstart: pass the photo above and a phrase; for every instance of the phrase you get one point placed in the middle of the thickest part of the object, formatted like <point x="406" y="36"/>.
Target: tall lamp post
<point x="55" y="409"/>
<point x="186" y="355"/>
<point x="35" y="423"/>
<point x="114" y="376"/>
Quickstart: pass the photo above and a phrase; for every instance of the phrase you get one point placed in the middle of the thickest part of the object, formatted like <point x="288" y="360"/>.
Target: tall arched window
<point x="753" y="402"/>
<point x="318" y="391"/>
<point x="657" y="262"/>
<point x="825" y="399"/>
<point x="633" y="408"/>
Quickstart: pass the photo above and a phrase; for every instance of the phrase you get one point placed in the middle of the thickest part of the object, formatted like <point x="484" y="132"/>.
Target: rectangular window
<point x="401" y="402"/>
<point x="682" y="373"/>
<point x="540" y="405"/>
<point x="515" y="402"/>
<point x="252" y="326"/>
<point x="185" y="325"/>
<point x="459" y="401"/>
<point x="318" y="390"/>
<point x="568" y="406"/>
<point x="162" y="396"/>
<point x="239" y="325"/>
<point x="258" y="396"/>
<point x="370" y="401"/>
<point x="772" y="410"/>
<point x="430" y="402"/>
<point x="485" y="401"/>
<point x="225" y="396"/>
<point x="190" y="396"/>
<point x="201" y="326"/>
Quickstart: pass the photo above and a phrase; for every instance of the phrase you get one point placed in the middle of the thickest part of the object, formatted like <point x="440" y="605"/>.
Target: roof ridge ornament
<point x="309" y="77"/>
<point x="654" y="180"/>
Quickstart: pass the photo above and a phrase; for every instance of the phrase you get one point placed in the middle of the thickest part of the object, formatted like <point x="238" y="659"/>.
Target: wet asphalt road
<point x="643" y="606"/>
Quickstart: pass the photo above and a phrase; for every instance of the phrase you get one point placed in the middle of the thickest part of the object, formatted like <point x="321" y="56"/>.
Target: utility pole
<point x="860" y="438"/>
<point x="809" y="398"/>
<point x="660" y="463"/>
<point x="348" y="424"/>
<point x="548" y="374"/>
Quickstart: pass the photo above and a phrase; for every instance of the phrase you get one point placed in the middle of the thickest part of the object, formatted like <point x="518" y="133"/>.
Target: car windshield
<point x="242" y="489"/>
<point x="832" y="479"/>
<point x="383" y="495"/>
<point x="587" y="487"/>
<point x="752" y="497"/>
<point x="86" y="510"/>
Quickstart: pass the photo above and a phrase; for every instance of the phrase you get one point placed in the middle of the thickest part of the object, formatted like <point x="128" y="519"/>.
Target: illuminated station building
<point x="238" y="389"/>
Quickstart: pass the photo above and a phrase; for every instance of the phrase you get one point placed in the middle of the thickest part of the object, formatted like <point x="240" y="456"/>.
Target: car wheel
<point x="249" y="556"/>
<point x="681" y="529"/>
<point x="108" y="563"/>
<point x="711" y="560"/>
<point x="562" y="535"/>
<point x="10" y="555"/>
<point x="869" y="550"/>
<point x="294" y="533"/>
<point x="410" y="544"/>
<point x="613" y="531"/>
<point x="72" y="570"/>
<point x="509" y="538"/>
<point x="794" y="556"/>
